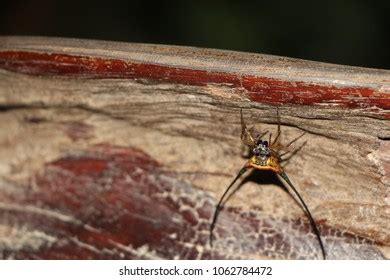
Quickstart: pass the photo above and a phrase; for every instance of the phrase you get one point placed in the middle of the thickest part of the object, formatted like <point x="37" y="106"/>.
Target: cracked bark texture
<point x="115" y="150"/>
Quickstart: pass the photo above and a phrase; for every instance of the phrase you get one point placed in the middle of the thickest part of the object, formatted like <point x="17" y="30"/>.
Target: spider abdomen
<point x="265" y="163"/>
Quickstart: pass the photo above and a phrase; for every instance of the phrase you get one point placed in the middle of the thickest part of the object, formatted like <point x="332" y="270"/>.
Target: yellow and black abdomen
<point x="269" y="163"/>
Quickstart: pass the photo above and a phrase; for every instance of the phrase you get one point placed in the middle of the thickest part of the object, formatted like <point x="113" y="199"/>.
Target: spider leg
<point x="308" y="214"/>
<point x="246" y="134"/>
<point x="276" y="138"/>
<point x="220" y="204"/>
<point x="295" y="139"/>
<point x="279" y="130"/>
<point x="259" y="136"/>
<point x="292" y="152"/>
<point x="285" y="153"/>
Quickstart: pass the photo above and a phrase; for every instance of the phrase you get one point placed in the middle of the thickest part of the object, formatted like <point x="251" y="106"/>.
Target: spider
<point x="266" y="155"/>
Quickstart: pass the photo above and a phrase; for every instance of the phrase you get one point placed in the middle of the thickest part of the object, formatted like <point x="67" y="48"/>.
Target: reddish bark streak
<point x="120" y="198"/>
<point x="259" y="88"/>
<point x="81" y="166"/>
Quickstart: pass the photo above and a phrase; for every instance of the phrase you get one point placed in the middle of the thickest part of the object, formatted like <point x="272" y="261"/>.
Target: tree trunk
<point x="116" y="150"/>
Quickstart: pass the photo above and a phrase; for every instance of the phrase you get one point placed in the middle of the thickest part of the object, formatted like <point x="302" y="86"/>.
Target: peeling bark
<point x="114" y="150"/>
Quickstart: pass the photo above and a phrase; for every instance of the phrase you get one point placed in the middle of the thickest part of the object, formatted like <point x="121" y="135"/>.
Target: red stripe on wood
<point x="258" y="88"/>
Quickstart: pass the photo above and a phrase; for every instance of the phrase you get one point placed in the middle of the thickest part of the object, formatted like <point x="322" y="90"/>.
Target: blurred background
<point x="344" y="32"/>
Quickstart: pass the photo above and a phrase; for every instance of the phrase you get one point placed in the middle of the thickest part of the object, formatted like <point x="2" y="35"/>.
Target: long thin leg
<point x="292" y="152"/>
<point x="279" y="130"/>
<point x="294" y="140"/>
<point x="276" y="138"/>
<point x="242" y="120"/>
<point x="312" y="222"/>
<point x="246" y="134"/>
<point x="219" y="205"/>
<point x="259" y="136"/>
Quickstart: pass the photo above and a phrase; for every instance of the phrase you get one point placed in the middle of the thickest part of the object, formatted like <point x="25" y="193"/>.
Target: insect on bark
<point x="267" y="155"/>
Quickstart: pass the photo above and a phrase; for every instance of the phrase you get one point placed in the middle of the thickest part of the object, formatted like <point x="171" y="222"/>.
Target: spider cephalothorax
<point x="266" y="155"/>
<point x="261" y="150"/>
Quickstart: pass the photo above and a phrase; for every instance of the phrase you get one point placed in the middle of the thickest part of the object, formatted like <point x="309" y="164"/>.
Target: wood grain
<point x="117" y="150"/>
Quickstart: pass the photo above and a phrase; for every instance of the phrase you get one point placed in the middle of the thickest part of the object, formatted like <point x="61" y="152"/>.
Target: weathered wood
<point x="115" y="150"/>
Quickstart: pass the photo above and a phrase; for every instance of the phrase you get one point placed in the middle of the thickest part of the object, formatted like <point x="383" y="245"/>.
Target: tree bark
<point x="117" y="150"/>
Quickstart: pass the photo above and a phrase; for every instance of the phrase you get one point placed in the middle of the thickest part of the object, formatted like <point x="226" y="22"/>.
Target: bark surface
<point x="116" y="150"/>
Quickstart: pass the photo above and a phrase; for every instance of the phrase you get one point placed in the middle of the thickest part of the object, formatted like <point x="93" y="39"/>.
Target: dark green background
<point x="344" y="32"/>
